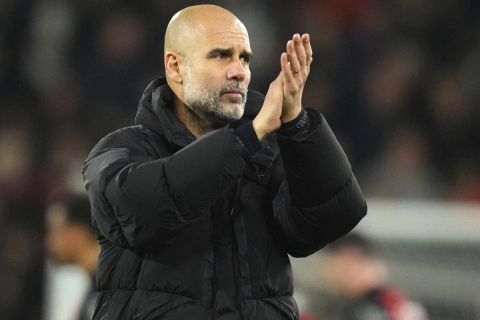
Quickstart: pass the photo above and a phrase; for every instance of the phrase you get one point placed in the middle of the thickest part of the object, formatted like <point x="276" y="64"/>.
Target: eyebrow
<point x="228" y="52"/>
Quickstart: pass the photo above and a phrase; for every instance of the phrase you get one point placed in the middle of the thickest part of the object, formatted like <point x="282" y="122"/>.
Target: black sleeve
<point x="320" y="199"/>
<point x="138" y="201"/>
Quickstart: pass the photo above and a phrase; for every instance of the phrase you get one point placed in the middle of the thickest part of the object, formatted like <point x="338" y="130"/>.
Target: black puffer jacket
<point x="201" y="229"/>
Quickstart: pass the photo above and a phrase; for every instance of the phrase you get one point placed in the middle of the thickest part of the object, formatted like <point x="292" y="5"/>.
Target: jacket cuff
<point x="297" y="126"/>
<point x="248" y="138"/>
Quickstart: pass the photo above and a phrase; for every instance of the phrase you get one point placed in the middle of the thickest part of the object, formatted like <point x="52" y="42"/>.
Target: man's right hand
<point x="268" y="119"/>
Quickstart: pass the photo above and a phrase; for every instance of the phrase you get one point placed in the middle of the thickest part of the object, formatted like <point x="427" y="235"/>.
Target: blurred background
<point x="398" y="81"/>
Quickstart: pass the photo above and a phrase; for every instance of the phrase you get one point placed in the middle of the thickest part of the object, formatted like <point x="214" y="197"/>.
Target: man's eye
<point x="220" y="56"/>
<point x="245" y="59"/>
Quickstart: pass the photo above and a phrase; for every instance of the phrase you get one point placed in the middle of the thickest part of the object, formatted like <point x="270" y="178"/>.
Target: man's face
<point x="58" y="234"/>
<point x="345" y="272"/>
<point x="64" y="239"/>
<point x="217" y="73"/>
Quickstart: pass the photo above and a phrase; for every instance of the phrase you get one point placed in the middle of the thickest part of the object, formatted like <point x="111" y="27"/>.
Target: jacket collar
<point x="155" y="111"/>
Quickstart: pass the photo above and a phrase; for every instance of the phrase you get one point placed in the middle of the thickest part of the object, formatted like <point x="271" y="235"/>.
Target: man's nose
<point x="236" y="71"/>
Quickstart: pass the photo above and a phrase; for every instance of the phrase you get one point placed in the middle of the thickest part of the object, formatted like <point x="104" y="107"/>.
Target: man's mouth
<point x="234" y="93"/>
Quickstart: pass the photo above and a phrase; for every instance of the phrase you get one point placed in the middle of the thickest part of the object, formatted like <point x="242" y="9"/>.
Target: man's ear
<point x="174" y="66"/>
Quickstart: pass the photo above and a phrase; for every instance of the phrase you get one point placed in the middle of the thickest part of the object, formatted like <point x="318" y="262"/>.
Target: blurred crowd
<point x="397" y="80"/>
<point x="356" y="286"/>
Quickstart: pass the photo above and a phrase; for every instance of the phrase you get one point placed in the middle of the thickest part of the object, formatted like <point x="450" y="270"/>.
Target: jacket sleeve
<point x="320" y="199"/>
<point x="139" y="202"/>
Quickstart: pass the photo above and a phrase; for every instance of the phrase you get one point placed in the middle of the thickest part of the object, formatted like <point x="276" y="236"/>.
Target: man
<point x="70" y="239"/>
<point x="359" y="282"/>
<point x="199" y="203"/>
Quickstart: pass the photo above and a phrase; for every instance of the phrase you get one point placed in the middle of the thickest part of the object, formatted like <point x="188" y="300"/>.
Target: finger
<point x="308" y="48"/>
<point x="300" y="50"/>
<point x="292" y="58"/>
<point x="288" y="77"/>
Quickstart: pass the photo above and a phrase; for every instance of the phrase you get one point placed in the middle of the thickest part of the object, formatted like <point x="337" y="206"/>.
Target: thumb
<point x="276" y="87"/>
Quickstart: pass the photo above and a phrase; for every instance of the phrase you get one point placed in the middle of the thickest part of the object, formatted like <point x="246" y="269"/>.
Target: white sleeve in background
<point x="65" y="289"/>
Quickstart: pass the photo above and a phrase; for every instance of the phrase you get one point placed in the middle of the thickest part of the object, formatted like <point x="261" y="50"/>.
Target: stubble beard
<point x="205" y="105"/>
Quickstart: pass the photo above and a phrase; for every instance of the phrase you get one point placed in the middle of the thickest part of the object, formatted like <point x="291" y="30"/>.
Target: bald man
<point x="198" y="205"/>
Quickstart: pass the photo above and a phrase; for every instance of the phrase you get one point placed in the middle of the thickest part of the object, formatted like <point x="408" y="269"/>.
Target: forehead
<point x="224" y="33"/>
<point x="231" y="37"/>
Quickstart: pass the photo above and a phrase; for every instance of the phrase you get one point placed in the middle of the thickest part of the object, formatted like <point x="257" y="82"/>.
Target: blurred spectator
<point x="15" y="156"/>
<point x="359" y="282"/>
<point x="465" y="184"/>
<point x="70" y="239"/>
<point x="110" y="75"/>
<point x="451" y="125"/>
<point x="20" y="218"/>
<point x="51" y="28"/>
<point x="403" y="169"/>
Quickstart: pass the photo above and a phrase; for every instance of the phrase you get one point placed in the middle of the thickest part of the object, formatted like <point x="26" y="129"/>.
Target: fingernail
<point x="290" y="43"/>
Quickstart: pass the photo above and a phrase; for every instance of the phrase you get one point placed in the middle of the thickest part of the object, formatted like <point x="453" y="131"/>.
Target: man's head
<point x="70" y="234"/>
<point x="207" y="58"/>
<point x="349" y="268"/>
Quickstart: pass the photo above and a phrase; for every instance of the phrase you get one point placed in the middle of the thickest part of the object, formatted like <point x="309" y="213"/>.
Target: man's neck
<point x="197" y="125"/>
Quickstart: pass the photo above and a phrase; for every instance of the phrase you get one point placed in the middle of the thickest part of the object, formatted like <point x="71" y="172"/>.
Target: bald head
<point x="207" y="66"/>
<point x="189" y="26"/>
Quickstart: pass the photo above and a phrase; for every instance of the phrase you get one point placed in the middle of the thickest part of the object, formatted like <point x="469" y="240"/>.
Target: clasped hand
<point x="283" y="101"/>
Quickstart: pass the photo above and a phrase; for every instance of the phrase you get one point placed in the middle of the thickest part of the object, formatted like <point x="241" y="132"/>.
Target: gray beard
<point x="205" y="107"/>
<point x="206" y="120"/>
